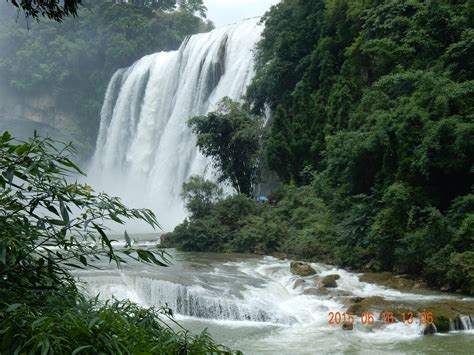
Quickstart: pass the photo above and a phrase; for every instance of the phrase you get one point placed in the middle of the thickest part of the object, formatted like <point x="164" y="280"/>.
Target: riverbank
<point x="300" y="225"/>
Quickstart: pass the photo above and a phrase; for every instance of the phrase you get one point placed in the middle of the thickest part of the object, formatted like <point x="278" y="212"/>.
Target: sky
<point x="223" y="12"/>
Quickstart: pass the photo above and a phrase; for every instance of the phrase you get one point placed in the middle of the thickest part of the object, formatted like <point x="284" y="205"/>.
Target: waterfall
<point x="461" y="323"/>
<point x="145" y="150"/>
<point x="194" y="301"/>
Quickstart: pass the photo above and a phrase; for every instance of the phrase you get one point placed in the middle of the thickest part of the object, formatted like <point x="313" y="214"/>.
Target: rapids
<point x="250" y="303"/>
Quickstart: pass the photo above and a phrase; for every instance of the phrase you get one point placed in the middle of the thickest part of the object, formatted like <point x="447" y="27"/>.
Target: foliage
<point x="231" y="136"/>
<point x="47" y="222"/>
<point x="72" y="62"/>
<point x="375" y="97"/>
<point x="56" y="10"/>
<point x="49" y="225"/>
<point x="94" y="328"/>
<point x="299" y="224"/>
<point x="199" y="195"/>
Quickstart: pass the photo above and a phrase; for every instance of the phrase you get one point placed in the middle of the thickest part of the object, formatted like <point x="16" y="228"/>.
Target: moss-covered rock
<point x="429" y="329"/>
<point x="301" y="269"/>
<point x="388" y="279"/>
<point x="443" y="313"/>
<point x="330" y="280"/>
<point x="369" y="304"/>
<point x="446" y="311"/>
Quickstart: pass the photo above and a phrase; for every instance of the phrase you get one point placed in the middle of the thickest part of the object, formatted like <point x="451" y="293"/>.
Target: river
<point x="250" y="303"/>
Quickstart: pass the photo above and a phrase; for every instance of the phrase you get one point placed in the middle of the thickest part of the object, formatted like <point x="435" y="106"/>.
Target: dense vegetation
<point x="372" y="133"/>
<point x="238" y="224"/>
<point x="231" y="136"/>
<point x="73" y="61"/>
<point x="50" y="225"/>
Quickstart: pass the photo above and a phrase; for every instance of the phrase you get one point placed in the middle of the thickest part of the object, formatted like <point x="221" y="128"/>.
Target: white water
<point x="251" y="303"/>
<point x="145" y="150"/>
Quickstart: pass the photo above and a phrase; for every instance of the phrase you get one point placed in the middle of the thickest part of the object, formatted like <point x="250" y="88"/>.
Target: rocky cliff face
<point x="44" y="113"/>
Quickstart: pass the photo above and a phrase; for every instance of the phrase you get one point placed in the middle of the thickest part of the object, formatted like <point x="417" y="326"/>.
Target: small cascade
<point x="461" y="323"/>
<point x="192" y="301"/>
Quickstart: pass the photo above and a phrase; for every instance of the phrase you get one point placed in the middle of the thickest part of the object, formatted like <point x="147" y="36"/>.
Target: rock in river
<point x="330" y="280"/>
<point x="347" y="326"/>
<point x="301" y="269"/>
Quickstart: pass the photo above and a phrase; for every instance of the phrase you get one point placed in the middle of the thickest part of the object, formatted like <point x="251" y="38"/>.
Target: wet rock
<point x="445" y="312"/>
<point x="400" y="282"/>
<point x="388" y="279"/>
<point x="339" y="293"/>
<point x="375" y="303"/>
<point x="356" y="299"/>
<point x="301" y="269"/>
<point x="329" y="281"/>
<point x="298" y="283"/>
<point x="320" y="291"/>
<point x="347" y="326"/>
<point x="430" y="329"/>
<point x="442" y="314"/>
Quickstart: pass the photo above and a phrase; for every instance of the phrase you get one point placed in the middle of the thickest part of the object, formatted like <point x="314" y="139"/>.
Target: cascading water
<point x="254" y="302"/>
<point x="145" y="150"/>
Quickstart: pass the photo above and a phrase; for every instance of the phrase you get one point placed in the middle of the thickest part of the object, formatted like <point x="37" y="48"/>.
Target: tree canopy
<point x="231" y="136"/>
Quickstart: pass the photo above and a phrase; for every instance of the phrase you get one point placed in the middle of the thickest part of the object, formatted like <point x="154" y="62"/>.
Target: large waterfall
<point x="145" y="150"/>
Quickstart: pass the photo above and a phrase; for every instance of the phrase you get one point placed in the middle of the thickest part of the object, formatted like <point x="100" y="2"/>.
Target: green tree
<point x="199" y="195"/>
<point x="232" y="137"/>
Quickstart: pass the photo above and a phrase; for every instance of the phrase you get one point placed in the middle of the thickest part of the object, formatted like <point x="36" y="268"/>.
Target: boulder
<point x="301" y="269"/>
<point x="443" y="313"/>
<point x="298" y="283"/>
<point x="347" y="326"/>
<point x="388" y="279"/>
<point x="329" y="281"/>
<point x="430" y="329"/>
<point x="376" y="303"/>
<point x="446" y="312"/>
<point x="335" y="293"/>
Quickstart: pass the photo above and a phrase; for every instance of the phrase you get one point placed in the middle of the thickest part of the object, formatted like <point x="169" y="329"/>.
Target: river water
<point x="250" y="303"/>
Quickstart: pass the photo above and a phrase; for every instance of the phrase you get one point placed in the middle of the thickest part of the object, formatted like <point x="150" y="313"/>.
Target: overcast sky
<point x="223" y="12"/>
